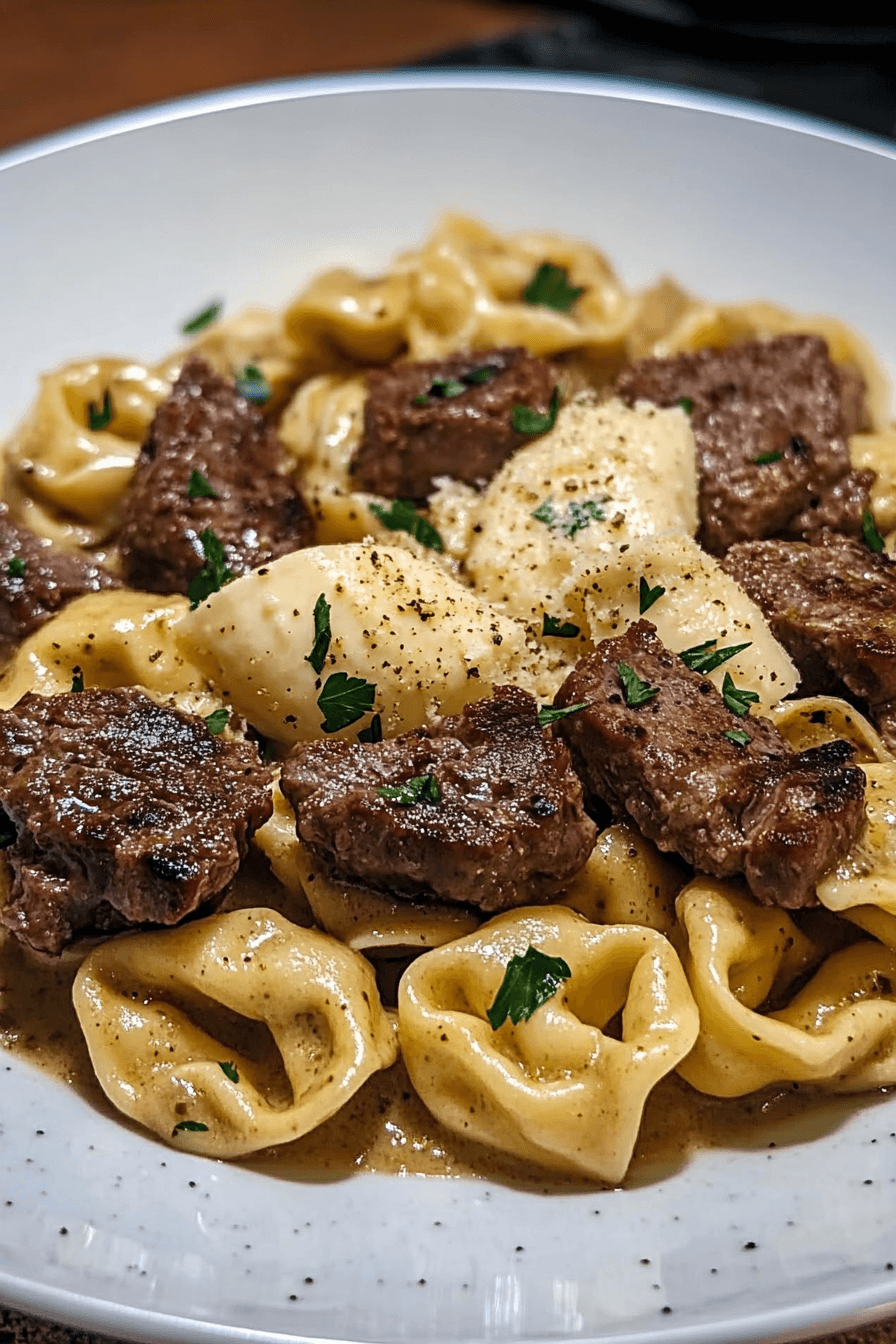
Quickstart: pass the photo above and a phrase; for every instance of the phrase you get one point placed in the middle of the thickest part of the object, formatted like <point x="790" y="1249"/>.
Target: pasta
<point x="258" y="1025"/>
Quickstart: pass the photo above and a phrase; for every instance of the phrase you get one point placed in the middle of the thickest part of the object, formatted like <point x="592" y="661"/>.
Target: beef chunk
<point x="124" y="812"/>
<point x="779" y="817"/>
<point x="508" y="827"/>
<point x="833" y="607"/>
<point x="257" y="514"/>
<point x="416" y="428"/>
<point x="37" y="579"/>
<point x="780" y="396"/>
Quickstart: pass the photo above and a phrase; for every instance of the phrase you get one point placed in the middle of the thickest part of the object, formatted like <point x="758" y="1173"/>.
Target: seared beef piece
<point x="833" y="607"/>
<point x="412" y="434"/>
<point x="258" y="513"/>
<point x="509" y="826"/>
<point x="779" y="817"/>
<point x="781" y="395"/>
<point x="51" y="578"/>
<point x="124" y="813"/>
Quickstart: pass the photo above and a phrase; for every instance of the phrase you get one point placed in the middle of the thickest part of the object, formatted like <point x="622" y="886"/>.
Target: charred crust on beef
<point x="257" y="514"/>
<point x="50" y="579"/>
<point x="783" y="397"/>
<point x="125" y="813"/>
<point x="833" y="607"/>
<point x="509" y="827"/>
<point x="410" y="437"/>
<point x="779" y="817"/>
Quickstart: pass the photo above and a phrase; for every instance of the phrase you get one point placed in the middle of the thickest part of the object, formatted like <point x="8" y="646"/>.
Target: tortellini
<point x="559" y="1088"/>
<point x="838" y="1031"/>
<point x="627" y="881"/>
<point x="221" y="1091"/>
<point x="867" y="874"/>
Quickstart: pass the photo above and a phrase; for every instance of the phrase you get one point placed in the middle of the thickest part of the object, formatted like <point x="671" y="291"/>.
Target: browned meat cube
<point x="118" y="811"/>
<point x="725" y="792"/>
<point x="447" y="417"/>
<point x="256" y="512"/>
<point x="493" y="816"/>
<point x="771" y="421"/>
<point x="37" y="579"/>
<point x="833" y="607"/>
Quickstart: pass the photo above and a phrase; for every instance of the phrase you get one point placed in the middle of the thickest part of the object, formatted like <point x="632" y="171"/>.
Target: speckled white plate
<point x="108" y="235"/>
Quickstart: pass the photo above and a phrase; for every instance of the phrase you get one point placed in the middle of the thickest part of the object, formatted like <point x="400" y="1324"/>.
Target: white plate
<point x="110" y="235"/>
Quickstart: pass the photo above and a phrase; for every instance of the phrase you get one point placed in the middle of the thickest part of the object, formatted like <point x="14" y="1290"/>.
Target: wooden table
<point x="66" y="61"/>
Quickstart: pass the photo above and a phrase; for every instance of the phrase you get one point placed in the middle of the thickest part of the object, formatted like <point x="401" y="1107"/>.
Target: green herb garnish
<point x="374" y="730"/>
<point x="229" y="1069"/>
<point x="216" y="722"/>
<point x="560" y="629"/>
<point x="738" y="736"/>
<point x="701" y="659"/>
<point x="579" y="514"/>
<point x="198" y="487"/>
<point x="686" y="404"/>
<point x="548" y="714"/>
<point x="420" y="789"/>
<point x="636" y="691"/>
<point x="526" y="421"/>
<point x="204" y="318"/>
<point x="447" y="387"/>
<point x="738" y="701"/>
<point x="16" y="567"/>
<point x="77" y="679"/>
<point x="322" y="635"/>
<point x="647" y="595"/>
<point x="550" y="288"/>
<point x="484" y="374"/>
<point x="213" y="575"/>
<point x="98" y="417"/>
<point x="873" y="539"/>
<point x="194" y="1126"/>
<point x="529" y="981"/>
<point x="401" y="516"/>
<point x="764" y="459"/>
<point x="253" y="385"/>
<point x="454" y="387"/>
<point x="344" y="700"/>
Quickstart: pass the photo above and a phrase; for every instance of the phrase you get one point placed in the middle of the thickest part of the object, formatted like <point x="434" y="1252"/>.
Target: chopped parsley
<point x="77" y="679"/>
<point x="483" y="374"/>
<point x="579" y="514"/>
<point x="98" y="417"/>
<point x="447" y="388"/>
<point x="194" y="1126"/>
<point x="253" y="385"/>
<point x="322" y="634"/>
<point x="529" y="981"/>
<point x="706" y="657"/>
<point x="204" y="318"/>
<point x="213" y="575"/>
<point x="229" y="1069"/>
<point x="216" y="722"/>
<point x="686" y="404"/>
<point x="738" y="736"/>
<point x="420" y="789"/>
<point x="374" y="730"/>
<point x="560" y="629"/>
<point x="764" y="459"/>
<point x="636" y="691"/>
<point x="16" y="567"/>
<point x="738" y="701"/>
<point x="198" y="487"/>
<point x="344" y="700"/>
<point x="548" y="714"/>
<point x="526" y="421"/>
<point x="550" y="288"/>
<point x="873" y="539"/>
<point x="401" y="516"/>
<point x="647" y="595"/>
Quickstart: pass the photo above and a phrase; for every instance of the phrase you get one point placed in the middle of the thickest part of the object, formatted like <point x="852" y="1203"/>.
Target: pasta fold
<point x="223" y="1091"/>
<point x="556" y="1089"/>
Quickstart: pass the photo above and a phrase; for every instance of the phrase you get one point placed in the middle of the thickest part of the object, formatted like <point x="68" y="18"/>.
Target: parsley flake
<point x="344" y="700"/>
<point x="550" y="288"/>
<point x="579" y="514"/>
<point x="636" y="691"/>
<point x="322" y="634"/>
<point x="194" y="1126"/>
<point x="484" y="374"/>
<point x="401" y="516"/>
<point x="204" y="318"/>
<point x="737" y="700"/>
<point x="374" y="730"/>
<point x="529" y="981"/>
<point x="764" y="459"/>
<point x="738" y="736"/>
<point x="213" y="575"/>
<point x="686" y="404"/>
<point x="647" y="595"/>
<point x="447" y="388"/>
<point x="706" y="657"/>
<point x="16" y="567"/>
<point x="253" y="385"/>
<point x="873" y="539"/>
<point x="526" y="421"/>
<point x="77" y="679"/>
<point x="229" y="1069"/>
<point x="548" y="714"/>
<point x="454" y="387"/>
<point x="198" y="487"/>
<point x="98" y="417"/>
<point x="420" y="789"/>
<point x="560" y="629"/>
<point x="216" y="722"/>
